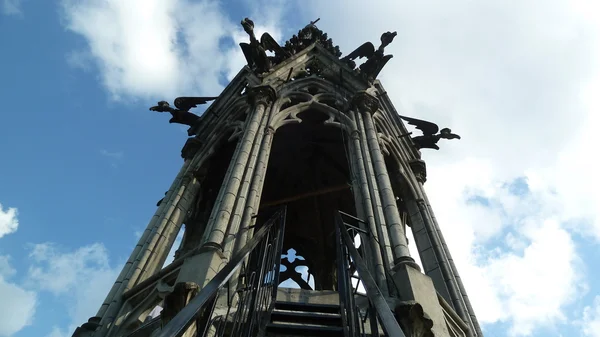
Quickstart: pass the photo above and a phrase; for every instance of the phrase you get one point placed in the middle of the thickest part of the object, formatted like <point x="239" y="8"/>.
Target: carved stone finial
<point x="264" y="94"/>
<point x="414" y="321"/>
<point x="419" y="169"/>
<point x="309" y="35"/>
<point x="191" y="147"/>
<point x="366" y="102"/>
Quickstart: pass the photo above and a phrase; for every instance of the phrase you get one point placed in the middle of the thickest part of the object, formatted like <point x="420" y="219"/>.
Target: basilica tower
<point x="300" y="170"/>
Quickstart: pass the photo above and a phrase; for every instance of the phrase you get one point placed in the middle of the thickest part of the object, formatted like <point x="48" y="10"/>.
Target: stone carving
<point x="261" y="94"/>
<point x="191" y="147"/>
<point x="366" y="102"/>
<point x="413" y="320"/>
<point x="307" y="36"/>
<point x="181" y="115"/>
<point x="430" y="137"/>
<point x="419" y="169"/>
<point x="376" y="60"/>
<point x="255" y="51"/>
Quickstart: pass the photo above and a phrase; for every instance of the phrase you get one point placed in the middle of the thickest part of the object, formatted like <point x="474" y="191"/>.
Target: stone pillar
<point x="257" y="97"/>
<point x="253" y="200"/>
<point x="219" y="222"/>
<point x="376" y="244"/>
<point x="435" y="256"/>
<point x="128" y="276"/>
<point x="367" y="105"/>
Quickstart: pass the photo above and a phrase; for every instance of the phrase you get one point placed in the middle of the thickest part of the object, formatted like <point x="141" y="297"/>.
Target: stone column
<point x="435" y="256"/>
<point x="158" y="227"/>
<point x="376" y="244"/>
<point x="470" y="313"/>
<point x="218" y="224"/>
<point x="235" y="230"/>
<point x="253" y="200"/>
<point x="368" y="105"/>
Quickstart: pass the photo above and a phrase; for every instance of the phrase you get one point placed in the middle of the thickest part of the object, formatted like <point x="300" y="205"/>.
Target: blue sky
<point x="84" y="161"/>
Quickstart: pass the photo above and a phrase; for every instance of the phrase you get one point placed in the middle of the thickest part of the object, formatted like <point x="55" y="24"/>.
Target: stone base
<point x="418" y="309"/>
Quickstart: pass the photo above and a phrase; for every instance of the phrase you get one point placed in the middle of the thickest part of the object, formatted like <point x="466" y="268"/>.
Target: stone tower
<point x="300" y="150"/>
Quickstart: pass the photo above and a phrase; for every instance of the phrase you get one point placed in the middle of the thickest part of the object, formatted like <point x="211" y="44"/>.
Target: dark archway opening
<point x="308" y="171"/>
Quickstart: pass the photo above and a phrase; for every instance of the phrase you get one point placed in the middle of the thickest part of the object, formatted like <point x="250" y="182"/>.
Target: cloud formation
<point x="152" y="48"/>
<point x="517" y="81"/>
<point x="8" y="220"/>
<point x="18" y="305"/>
<point x="11" y="7"/>
<point x="80" y="279"/>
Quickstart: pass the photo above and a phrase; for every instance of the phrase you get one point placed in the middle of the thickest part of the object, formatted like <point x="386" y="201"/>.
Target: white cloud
<point x="11" y="7"/>
<point x="8" y="220"/>
<point x="591" y="319"/>
<point x="153" y="48"/>
<point x="80" y="278"/>
<point x="17" y="307"/>
<point x="519" y="83"/>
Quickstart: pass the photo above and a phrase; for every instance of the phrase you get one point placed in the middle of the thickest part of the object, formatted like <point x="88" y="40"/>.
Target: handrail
<point x="177" y="326"/>
<point x="388" y="321"/>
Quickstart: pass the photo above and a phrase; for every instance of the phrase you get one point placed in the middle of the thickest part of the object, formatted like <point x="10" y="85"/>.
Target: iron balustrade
<point x="246" y="311"/>
<point x="354" y="274"/>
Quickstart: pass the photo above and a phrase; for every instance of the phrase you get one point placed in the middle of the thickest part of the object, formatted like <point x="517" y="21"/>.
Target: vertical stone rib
<point x="256" y="184"/>
<point x="256" y="190"/>
<point x="159" y="228"/>
<point x="243" y="196"/>
<point x="167" y="239"/>
<point x="221" y="219"/>
<point x="368" y="105"/>
<point x="382" y="234"/>
<point x="443" y="263"/>
<point x="367" y="206"/>
<point x="142" y="242"/>
<point x="461" y="287"/>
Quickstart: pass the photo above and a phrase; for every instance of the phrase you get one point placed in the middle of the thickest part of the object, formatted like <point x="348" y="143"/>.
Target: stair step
<point x="308" y="307"/>
<point x="315" y="318"/>
<point x="304" y="330"/>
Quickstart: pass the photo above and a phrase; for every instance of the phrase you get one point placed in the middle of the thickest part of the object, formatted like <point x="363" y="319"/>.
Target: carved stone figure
<point x="376" y="60"/>
<point x="429" y="138"/>
<point x="309" y="35"/>
<point x="181" y="115"/>
<point x="256" y="51"/>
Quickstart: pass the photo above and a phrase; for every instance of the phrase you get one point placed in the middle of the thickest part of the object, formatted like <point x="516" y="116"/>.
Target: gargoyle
<point x="181" y="115"/>
<point x="430" y="136"/>
<point x="376" y="60"/>
<point x="255" y="51"/>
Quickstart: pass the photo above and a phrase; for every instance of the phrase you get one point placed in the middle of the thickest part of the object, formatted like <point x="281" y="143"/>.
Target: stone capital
<point x="365" y="102"/>
<point x="191" y="147"/>
<point x="419" y="169"/>
<point x="262" y="94"/>
<point x="355" y="134"/>
<point x="270" y="130"/>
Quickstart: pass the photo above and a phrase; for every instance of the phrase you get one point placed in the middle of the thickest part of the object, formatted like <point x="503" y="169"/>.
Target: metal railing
<point x="353" y="274"/>
<point x="243" y="313"/>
